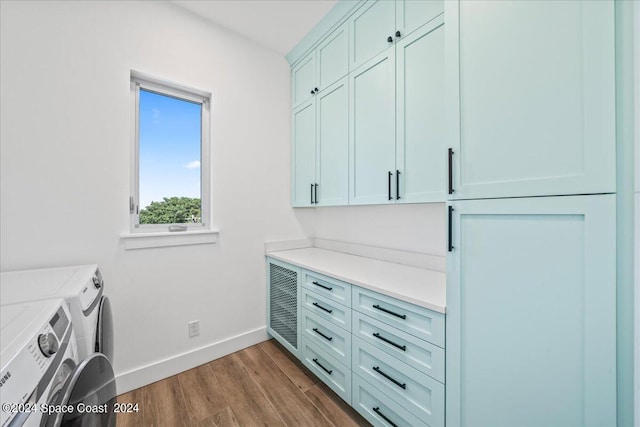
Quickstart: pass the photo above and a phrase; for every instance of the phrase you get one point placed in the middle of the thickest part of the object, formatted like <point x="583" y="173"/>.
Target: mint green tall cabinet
<point x="531" y="97"/>
<point x="531" y="312"/>
<point x="372" y="133"/>
<point x="531" y="281"/>
<point x="420" y="119"/>
<point x="397" y="114"/>
<point x="303" y="168"/>
<point x="320" y="124"/>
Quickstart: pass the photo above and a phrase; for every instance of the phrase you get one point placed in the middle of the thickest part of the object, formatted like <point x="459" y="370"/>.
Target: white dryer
<point x="83" y="289"/>
<point x="40" y="372"/>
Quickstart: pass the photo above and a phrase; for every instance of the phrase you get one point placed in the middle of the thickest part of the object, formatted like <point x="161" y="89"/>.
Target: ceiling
<point x="276" y="24"/>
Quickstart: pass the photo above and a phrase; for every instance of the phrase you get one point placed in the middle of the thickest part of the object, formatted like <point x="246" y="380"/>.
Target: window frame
<point x="167" y="88"/>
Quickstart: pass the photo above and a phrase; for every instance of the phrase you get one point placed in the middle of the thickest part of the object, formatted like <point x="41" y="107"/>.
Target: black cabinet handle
<point x="316" y="193"/>
<point x="450" y="231"/>
<point x="389" y="39"/>
<point x="312" y="92"/>
<point x="402" y="316"/>
<point x="389" y="185"/>
<point x="451" y="171"/>
<point x="398" y="34"/>
<point x="315" y="90"/>
<point x="388" y="341"/>
<point x="322" y="335"/>
<point x="379" y="412"/>
<point x="322" y="308"/>
<point x="311" y="193"/>
<point x="328" y="371"/>
<point x="387" y="376"/>
<point x="397" y="184"/>
<point x="322" y="286"/>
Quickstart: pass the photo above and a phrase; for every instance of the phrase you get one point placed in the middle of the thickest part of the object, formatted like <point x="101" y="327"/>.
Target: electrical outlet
<point x="194" y="328"/>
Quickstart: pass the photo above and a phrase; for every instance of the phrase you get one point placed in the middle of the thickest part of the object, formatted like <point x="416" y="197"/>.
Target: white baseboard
<point x="159" y="370"/>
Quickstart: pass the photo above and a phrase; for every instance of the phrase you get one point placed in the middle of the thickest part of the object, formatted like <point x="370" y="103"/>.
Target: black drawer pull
<point x="401" y="347"/>
<point x="322" y="308"/>
<point x="328" y="371"/>
<point x="402" y="316"/>
<point x="393" y="380"/>
<point x="450" y="152"/>
<point x="322" y="335"/>
<point x="450" y="231"/>
<point x="379" y="412"/>
<point x="322" y="286"/>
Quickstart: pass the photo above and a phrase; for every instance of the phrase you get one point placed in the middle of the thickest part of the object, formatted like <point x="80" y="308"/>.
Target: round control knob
<point x="48" y="344"/>
<point x="96" y="282"/>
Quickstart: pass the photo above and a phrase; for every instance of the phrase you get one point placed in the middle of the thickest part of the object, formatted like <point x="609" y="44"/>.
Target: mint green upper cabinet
<point x="332" y="112"/>
<point x="325" y="65"/>
<point x="371" y="26"/>
<point x="531" y="312"/>
<point x="532" y="97"/>
<point x="303" y="80"/>
<point x="303" y="154"/>
<point x="333" y="57"/>
<point x="321" y="148"/>
<point x="372" y="132"/>
<point x="412" y="14"/>
<point x="420" y="132"/>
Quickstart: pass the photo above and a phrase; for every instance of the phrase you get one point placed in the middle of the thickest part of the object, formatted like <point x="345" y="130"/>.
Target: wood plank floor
<point x="263" y="385"/>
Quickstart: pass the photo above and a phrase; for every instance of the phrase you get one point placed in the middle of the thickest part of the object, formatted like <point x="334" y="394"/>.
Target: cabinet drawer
<point x="331" y="288"/>
<point x="327" y="336"/>
<point x="327" y="309"/>
<point x="417" y="392"/>
<point x="381" y="411"/>
<point x="333" y="373"/>
<point x="423" y="356"/>
<point x="418" y="321"/>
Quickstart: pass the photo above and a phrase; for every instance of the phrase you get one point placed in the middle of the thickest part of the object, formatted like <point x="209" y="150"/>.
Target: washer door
<point x="91" y="392"/>
<point x="104" y="334"/>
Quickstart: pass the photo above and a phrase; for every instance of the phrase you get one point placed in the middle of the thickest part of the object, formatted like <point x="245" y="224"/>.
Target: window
<point x="170" y="173"/>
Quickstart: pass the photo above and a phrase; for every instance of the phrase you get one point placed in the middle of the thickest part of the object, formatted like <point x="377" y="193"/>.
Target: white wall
<point x="416" y="228"/>
<point x="65" y="126"/>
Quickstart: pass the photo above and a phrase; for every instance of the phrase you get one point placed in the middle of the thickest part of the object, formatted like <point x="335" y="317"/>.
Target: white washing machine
<point x="40" y="370"/>
<point x="83" y="289"/>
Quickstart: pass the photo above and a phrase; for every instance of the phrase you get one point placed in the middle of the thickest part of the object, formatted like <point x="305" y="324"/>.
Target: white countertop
<point x="426" y="288"/>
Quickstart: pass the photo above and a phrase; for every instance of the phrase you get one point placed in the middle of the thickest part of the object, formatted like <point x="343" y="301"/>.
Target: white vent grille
<point x="284" y="303"/>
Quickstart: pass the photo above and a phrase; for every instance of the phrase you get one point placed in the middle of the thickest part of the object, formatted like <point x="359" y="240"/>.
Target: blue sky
<point x="169" y="148"/>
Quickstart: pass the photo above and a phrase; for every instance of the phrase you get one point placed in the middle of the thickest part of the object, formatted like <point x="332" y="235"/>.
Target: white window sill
<point x="168" y="238"/>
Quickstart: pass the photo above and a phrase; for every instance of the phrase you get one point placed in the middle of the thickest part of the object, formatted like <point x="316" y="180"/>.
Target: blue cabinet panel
<point x="531" y="97"/>
<point x="531" y="312"/>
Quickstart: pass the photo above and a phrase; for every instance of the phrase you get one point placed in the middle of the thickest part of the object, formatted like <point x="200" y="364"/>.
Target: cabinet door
<point x="412" y="14"/>
<point x="372" y="132"/>
<point x="333" y="57"/>
<point x="332" y="109"/>
<point x="303" y="80"/>
<point x="369" y="30"/>
<point x="283" y="304"/>
<point x="303" y="168"/>
<point x="533" y="107"/>
<point x="420" y="138"/>
<point x="531" y="312"/>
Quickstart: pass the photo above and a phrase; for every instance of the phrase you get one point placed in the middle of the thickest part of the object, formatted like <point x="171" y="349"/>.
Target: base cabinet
<point x="531" y="312"/>
<point x="383" y="356"/>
